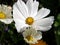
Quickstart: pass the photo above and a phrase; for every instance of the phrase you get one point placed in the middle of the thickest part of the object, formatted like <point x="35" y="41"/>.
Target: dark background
<point x="11" y="37"/>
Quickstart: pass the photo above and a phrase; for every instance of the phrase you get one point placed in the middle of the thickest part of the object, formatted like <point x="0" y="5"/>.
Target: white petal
<point x="5" y="9"/>
<point x="22" y="8"/>
<point x="9" y="10"/>
<point x="17" y="14"/>
<point x="45" y="21"/>
<point x="34" y="8"/>
<point x="43" y="12"/>
<point x="29" y="5"/>
<point x="25" y="33"/>
<point x="42" y="28"/>
<point x="18" y="21"/>
<point x="38" y="35"/>
<point x="9" y="16"/>
<point x="19" y="26"/>
<point x="6" y="21"/>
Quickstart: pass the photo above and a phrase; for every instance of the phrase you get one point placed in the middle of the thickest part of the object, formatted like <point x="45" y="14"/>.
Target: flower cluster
<point x="28" y="19"/>
<point x="28" y="15"/>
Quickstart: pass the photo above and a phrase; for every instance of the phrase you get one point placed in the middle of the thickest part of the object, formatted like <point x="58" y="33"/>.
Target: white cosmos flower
<point x="29" y="15"/>
<point x="5" y="14"/>
<point x="31" y="36"/>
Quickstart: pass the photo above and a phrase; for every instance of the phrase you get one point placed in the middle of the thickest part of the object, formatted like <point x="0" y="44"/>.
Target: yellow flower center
<point x="29" y="20"/>
<point x="29" y="38"/>
<point x="2" y="15"/>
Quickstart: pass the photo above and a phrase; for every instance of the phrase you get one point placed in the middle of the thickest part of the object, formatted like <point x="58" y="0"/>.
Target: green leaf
<point x="56" y="24"/>
<point x="58" y="18"/>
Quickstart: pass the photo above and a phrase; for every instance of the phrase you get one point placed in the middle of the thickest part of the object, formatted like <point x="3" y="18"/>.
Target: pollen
<point x="29" y="20"/>
<point x="29" y="38"/>
<point x="2" y="15"/>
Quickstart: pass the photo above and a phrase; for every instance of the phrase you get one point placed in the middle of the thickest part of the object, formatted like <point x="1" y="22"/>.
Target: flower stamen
<point x="29" y="38"/>
<point x="2" y="15"/>
<point x="29" y="20"/>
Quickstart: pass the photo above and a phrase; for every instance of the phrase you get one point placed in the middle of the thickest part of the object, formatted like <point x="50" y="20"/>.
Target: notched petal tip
<point x="52" y="19"/>
<point x="48" y="10"/>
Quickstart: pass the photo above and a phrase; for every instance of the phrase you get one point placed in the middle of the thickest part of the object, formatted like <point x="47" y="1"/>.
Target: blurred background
<point x="9" y="35"/>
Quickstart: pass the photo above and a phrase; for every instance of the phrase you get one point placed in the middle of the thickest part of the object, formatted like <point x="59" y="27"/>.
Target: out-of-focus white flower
<point x="5" y="14"/>
<point x="29" y="15"/>
<point x="31" y="36"/>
